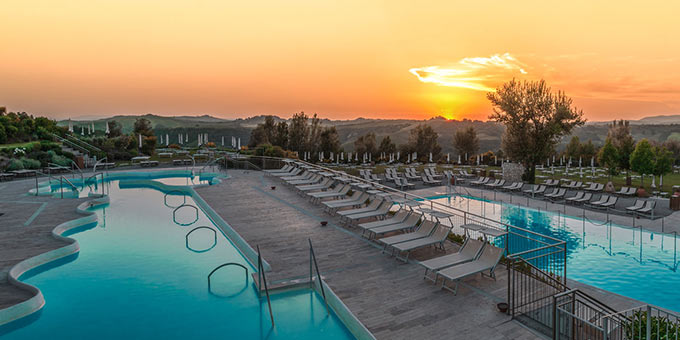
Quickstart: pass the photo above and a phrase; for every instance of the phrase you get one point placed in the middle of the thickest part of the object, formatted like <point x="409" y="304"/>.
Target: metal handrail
<point x="61" y="185"/>
<point x="260" y="277"/>
<point x="209" y="163"/>
<point x="86" y="143"/>
<point x="174" y="214"/>
<point x="225" y="265"/>
<point x="106" y="166"/>
<point x="312" y="257"/>
<point x="203" y="250"/>
<point x="165" y="198"/>
<point x="95" y="181"/>
<point x="63" y="140"/>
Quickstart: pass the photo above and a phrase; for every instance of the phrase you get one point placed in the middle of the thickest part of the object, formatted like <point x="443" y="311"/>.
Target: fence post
<point x="605" y="327"/>
<point x="555" y="318"/>
<point x="649" y="322"/>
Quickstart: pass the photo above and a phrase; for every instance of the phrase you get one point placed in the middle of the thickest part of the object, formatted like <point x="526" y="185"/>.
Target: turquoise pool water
<point x="135" y="278"/>
<point x="637" y="263"/>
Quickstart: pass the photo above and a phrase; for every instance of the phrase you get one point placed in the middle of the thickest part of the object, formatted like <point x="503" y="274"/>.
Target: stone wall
<point x="512" y="172"/>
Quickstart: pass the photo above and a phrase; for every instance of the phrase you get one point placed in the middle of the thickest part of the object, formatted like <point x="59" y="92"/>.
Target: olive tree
<point x="535" y="120"/>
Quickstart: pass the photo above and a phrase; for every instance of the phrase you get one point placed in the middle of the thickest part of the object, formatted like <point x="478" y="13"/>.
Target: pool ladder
<point x="260" y="278"/>
<point x="312" y="259"/>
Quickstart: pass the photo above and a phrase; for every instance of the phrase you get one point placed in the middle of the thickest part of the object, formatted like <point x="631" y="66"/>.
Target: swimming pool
<point x="633" y="262"/>
<point x="138" y="276"/>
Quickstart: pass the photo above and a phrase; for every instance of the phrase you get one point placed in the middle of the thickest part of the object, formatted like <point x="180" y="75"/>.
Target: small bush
<point x="15" y="164"/>
<point x="30" y="163"/>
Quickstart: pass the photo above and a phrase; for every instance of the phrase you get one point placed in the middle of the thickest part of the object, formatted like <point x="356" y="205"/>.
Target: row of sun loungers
<point x="474" y="256"/>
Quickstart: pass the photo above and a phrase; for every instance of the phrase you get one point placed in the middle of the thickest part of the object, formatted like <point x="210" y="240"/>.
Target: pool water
<point x="633" y="262"/>
<point x="137" y="277"/>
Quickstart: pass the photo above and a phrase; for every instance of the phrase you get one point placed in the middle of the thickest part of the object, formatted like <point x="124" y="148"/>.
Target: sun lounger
<point x="487" y="261"/>
<point x="603" y="199"/>
<point x="480" y="181"/>
<point x="286" y="168"/>
<point x="429" y="180"/>
<point x="639" y="204"/>
<point x="578" y="196"/>
<point x="381" y="211"/>
<point x="311" y="180"/>
<point x="402" y="182"/>
<point x="325" y="184"/>
<point x="648" y="209"/>
<point x="410" y="223"/>
<point x="290" y="173"/>
<point x="631" y="192"/>
<point x="586" y="197"/>
<point x="498" y="184"/>
<point x="623" y="191"/>
<point x="374" y="205"/>
<point x="554" y="196"/>
<point x="536" y="190"/>
<point x="611" y="203"/>
<point x="424" y="230"/>
<point x="435" y="239"/>
<point x="357" y="198"/>
<point x="514" y="186"/>
<point x="468" y="252"/>
<point x="399" y="216"/>
<point x="340" y="190"/>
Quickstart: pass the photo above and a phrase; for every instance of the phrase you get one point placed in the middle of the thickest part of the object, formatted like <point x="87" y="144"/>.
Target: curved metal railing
<point x="165" y="198"/>
<point x="201" y="250"/>
<point x="226" y="265"/>
<point x="174" y="215"/>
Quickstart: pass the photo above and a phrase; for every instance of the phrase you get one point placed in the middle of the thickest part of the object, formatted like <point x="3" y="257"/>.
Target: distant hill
<point x="658" y="128"/>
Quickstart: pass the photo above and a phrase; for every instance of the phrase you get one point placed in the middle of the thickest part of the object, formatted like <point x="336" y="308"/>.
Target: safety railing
<point x="104" y="161"/>
<point x="165" y="198"/>
<point x="205" y="249"/>
<point x="222" y="266"/>
<point x="63" y="179"/>
<point x="642" y="323"/>
<point x="239" y="163"/>
<point x="312" y="259"/>
<point x="184" y="224"/>
<point x="93" y="180"/>
<point x="262" y="278"/>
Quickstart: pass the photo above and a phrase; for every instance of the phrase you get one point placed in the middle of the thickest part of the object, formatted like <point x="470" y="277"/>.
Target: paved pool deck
<point x="388" y="296"/>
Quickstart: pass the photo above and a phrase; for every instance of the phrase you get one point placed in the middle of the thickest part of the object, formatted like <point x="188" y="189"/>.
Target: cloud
<point x="476" y="73"/>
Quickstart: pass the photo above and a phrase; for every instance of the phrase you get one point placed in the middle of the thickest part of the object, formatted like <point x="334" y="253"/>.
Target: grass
<point x="17" y="145"/>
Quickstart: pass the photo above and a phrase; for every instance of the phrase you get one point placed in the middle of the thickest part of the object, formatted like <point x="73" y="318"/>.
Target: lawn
<point x="17" y="145"/>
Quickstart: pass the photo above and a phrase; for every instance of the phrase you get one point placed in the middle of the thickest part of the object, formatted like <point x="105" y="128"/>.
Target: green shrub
<point x="30" y="163"/>
<point x="15" y="164"/>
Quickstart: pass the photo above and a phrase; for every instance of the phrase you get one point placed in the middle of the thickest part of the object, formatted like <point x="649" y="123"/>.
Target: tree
<point x="281" y="135"/>
<point x="329" y="140"/>
<point x="663" y="161"/>
<point x="423" y="140"/>
<point x="3" y="134"/>
<point x="365" y="144"/>
<point x="297" y="132"/>
<point x="609" y="157"/>
<point x="642" y="159"/>
<point x="263" y="133"/>
<point x="314" y="135"/>
<point x="619" y="133"/>
<point x="673" y="146"/>
<point x="535" y="119"/>
<point x="115" y="129"/>
<point x="387" y="146"/>
<point x="466" y="141"/>
<point x="588" y="151"/>
<point x="143" y="127"/>
<point x="573" y="149"/>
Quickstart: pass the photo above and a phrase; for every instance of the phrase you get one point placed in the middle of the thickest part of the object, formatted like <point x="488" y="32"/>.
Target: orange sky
<point x="342" y="59"/>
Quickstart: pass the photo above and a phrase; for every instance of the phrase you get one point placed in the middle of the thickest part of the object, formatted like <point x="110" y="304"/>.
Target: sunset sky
<point x="341" y="59"/>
